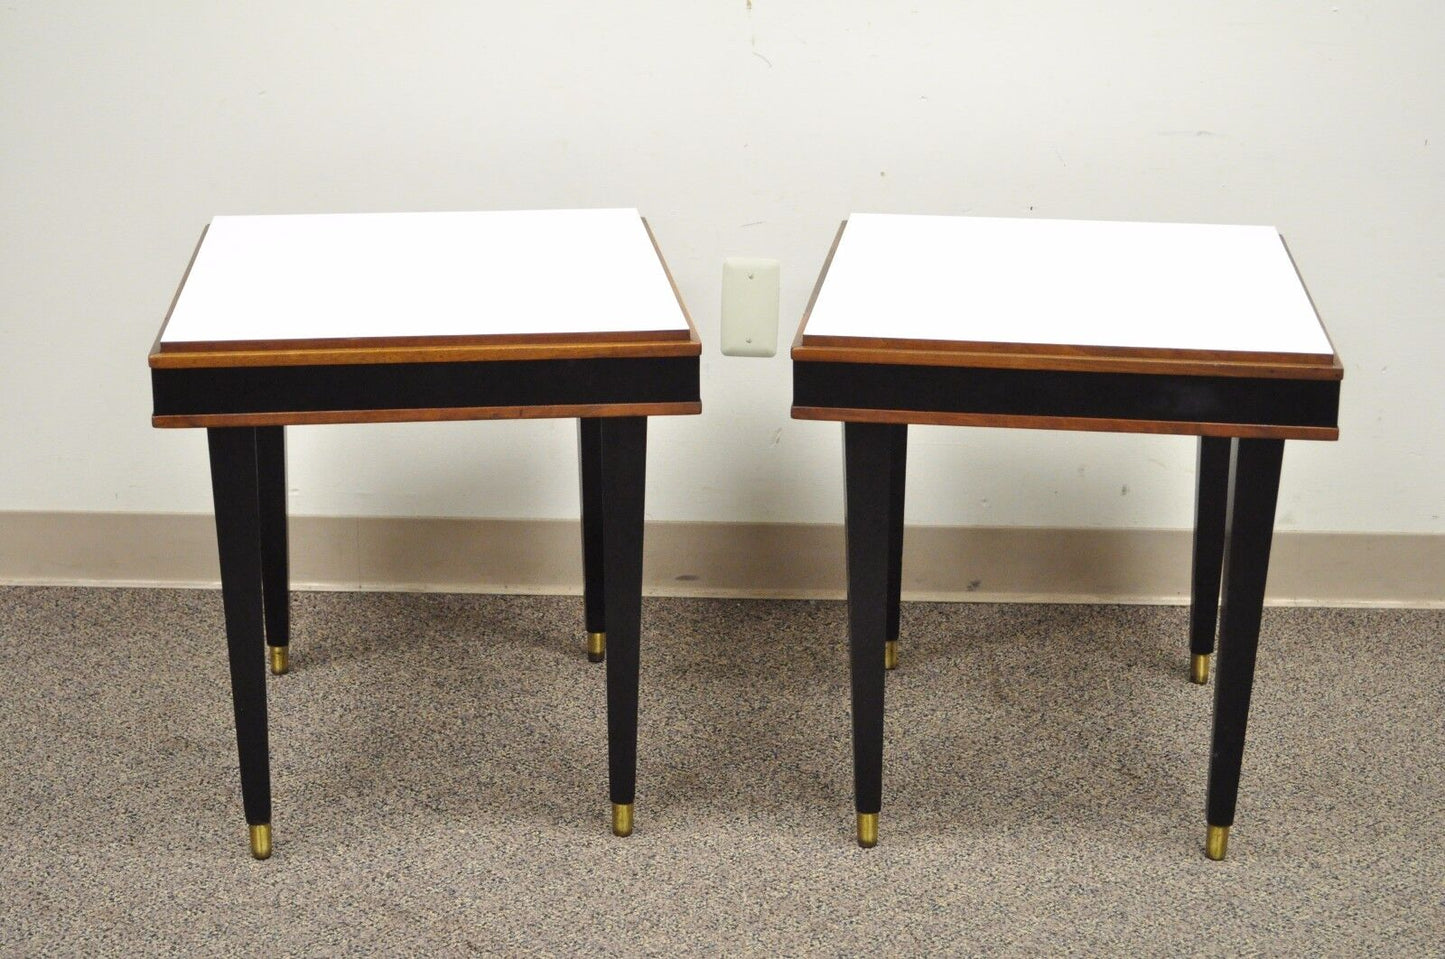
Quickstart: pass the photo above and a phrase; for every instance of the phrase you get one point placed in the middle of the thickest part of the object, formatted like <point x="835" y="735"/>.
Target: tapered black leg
<point x="624" y="474"/>
<point x="1210" y="500"/>
<point x="234" y="482"/>
<point x="275" y="555"/>
<point x="1253" y="491"/>
<point x="867" y="452"/>
<point x="897" y="475"/>
<point x="589" y="449"/>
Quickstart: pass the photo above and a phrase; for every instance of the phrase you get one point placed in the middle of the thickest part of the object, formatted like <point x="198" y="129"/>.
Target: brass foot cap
<point x="280" y="660"/>
<point x="1216" y="842"/>
<point x="1199" y="669"/>
<point x="622" y="819"/>
<point x="867" y="829"/>
<point x="261" y="841"/>
<point x="596" y="647"/>
<point x="890" y="654"/>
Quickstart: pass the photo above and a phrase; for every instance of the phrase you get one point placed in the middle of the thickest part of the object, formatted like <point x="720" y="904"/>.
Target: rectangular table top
<point x="1207" y="292"/>
<point x="1065" y="324"/>
<point x="349" y="281"/>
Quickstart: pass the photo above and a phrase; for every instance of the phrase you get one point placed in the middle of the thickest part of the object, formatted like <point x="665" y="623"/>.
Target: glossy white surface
<point x="1070" y="282"/>
<point x="381" y="275"/>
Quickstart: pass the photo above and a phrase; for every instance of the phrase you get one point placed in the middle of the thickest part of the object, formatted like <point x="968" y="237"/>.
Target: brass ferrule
<point x="622" y="819"/>
<point x="261" y="841"/>
<point x="1216" y="842"/>
<point x="867" y="829"/>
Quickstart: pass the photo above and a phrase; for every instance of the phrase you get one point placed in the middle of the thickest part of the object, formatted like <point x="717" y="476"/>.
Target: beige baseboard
<point x="1011" y="564"/>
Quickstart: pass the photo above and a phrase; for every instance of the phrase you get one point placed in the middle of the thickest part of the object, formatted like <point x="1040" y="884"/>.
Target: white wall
<point x="737" y="128"/>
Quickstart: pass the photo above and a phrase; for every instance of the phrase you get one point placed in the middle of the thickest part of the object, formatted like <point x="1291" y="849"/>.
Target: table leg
<point x="897" y="475"/>
<point x="234" y="482"/>
<point x="867" y="455"/>
<point x="1210" y="499"/>
<point x="275" y="554"/>
<point x="1253" y="491"/>
<point x="623" y="478"/>
<point x="589" y="448"/>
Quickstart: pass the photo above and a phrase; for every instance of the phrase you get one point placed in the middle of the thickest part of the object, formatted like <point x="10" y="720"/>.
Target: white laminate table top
<point x="385" y="276"/>
<point x="1078" y="283"/>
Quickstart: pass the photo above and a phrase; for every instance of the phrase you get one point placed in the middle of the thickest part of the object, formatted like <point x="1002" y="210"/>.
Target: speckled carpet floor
<point x="439" y="772"/>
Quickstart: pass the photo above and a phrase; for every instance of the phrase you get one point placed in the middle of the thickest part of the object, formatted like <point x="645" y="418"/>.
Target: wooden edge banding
<point x="423" y="342"/>
<point x="1075" y="423"/>
<point x="176" y="296"/>
<point x="1315" y="309"/>
<point x="574" y="349"/>
<point x="885" y="344"/>
<point x="330" y="417"/>
<point x="1201" y="365"/>
<point x="667" y="272"/>
<point x="818" y="287"/>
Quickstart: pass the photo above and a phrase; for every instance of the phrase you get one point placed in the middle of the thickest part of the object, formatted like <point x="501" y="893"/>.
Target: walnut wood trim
<point x="667" y="272"/>
<point x="568" y="350"/>
<point x="330" y="417"/>
<point x="883" y="345"/>
<point x="1310" y="297"/>
<point x="1200" y="364"/>
<point x="1074" y="423"/>
<point x="176" y="296"/>
<point x="971" y="347"/>
<point x="818" y="287"/>
<point x="341" y="343"/>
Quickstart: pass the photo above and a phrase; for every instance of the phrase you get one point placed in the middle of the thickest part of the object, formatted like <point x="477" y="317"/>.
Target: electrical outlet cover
<point x="749" y="306"/>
